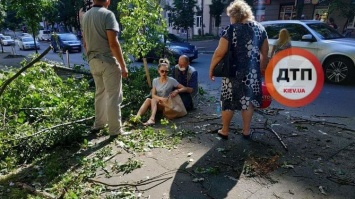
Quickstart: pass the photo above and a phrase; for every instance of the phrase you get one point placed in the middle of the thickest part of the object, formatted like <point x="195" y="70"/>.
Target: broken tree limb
<point x="7" y="82"/>
<point x="128" y="184"/>
<point x="51" y="128"/>
<point x="341" y="181"/>
<point x="331" y="124"/>
<point x="337" y="152"/>
<point x="278" y="137"/>
<point x="35" y="191"/>
<point x="269" y="128"/>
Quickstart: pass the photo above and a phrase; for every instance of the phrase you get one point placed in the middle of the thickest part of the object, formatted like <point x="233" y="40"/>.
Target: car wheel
<point x="338" y="70"/>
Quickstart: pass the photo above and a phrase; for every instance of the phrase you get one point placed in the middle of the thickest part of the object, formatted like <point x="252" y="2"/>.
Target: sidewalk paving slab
<point x="239" y="168"/>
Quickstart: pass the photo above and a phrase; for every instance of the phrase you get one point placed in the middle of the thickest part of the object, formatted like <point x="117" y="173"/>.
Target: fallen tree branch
<point x="35" y="191"/>
<point x="335" y="116"/>
<point x="331" y="124"/>
<point x="55" y="67"/>
<point x="268" y="127"/>
<point x="51" y="128"/>
<point x="128" y="184"/>
<point x="139" y="183"/>
<point x="278" y="137"/>
<point x="7" y="82"/>
<point x="336" y="153"/>
<point x="199" y="120"/>
<point x="341" y="181"/>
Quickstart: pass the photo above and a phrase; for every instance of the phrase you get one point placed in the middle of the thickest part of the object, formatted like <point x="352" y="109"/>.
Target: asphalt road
<point x="334" y="101"/>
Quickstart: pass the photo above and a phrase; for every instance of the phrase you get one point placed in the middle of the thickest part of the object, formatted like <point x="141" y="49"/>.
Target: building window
<point x="198" y="21"/>
<point x="287" y="12"/>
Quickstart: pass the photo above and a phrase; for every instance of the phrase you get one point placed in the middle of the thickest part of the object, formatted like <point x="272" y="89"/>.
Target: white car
<point x="44" y="35"/>
<point x="7" y="41"/>
<point x="335" y="52"/>
<point x="26" y="43"/>
<point x="25" y="35"/>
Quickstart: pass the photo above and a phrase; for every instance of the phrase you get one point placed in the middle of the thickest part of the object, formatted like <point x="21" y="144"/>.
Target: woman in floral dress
<point x="250" y="50"/>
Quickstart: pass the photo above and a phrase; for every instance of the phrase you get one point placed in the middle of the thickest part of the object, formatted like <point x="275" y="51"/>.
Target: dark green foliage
<point x="345" y="9"/>
<point x="143" y="26"/>
<point x="135" y="90"/>
<point x="182" y="14"/>
<point x="216" y="9"/>
<point x="35" y="101"/>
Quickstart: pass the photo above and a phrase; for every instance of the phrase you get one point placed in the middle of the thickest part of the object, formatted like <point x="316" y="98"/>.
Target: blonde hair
<point x="240" y="10"/>
<point x="164" y="61"/>
<point x="284" y="37"/>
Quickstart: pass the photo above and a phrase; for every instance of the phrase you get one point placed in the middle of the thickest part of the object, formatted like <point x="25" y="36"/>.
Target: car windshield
<point x="6" y="37"/>
<point x="324" y="31"/>
<point x="174" y="38"/>
<point x="27" y="39"/>
<point x="68" y="37"/>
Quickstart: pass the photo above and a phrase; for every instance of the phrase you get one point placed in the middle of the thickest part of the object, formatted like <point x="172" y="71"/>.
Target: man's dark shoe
<point x="112" y="137"/>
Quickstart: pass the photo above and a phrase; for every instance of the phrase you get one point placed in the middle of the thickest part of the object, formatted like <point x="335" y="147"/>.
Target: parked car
<point x="44" y="35"/>
<point x="65" y="41"/>
<point x="26" y="43"/>
<point x="7" y="41"/>
<point x="25" y="35"/>
<point x="335" y="52"/>
<point x="175" y="47"/>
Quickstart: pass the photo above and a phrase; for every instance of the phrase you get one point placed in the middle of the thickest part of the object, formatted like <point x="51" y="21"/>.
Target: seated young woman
<point x="163" y="87"/>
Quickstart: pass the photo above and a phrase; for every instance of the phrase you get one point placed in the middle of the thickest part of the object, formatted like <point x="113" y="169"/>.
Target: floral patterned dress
<point x="239" y="92"/>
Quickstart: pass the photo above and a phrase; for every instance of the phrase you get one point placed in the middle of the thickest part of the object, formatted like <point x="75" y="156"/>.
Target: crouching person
<point x="188" y="77"/>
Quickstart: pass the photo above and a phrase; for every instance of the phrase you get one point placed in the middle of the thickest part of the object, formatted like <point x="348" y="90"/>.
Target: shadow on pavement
<point x="213" y="175"/>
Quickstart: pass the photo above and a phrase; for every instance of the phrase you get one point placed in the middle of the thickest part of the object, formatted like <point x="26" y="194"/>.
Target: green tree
<point x="69" y="12"/>
<point x="30" y="11"/>
<point x="2" y="15"/>
<point x="182" y="14"/>
<point x="11" y="21"/>
<point x="216" y="10"/>
<point x="345" y="8"/>
<point x="142" y="27"/>
<point x="51" y="13"/>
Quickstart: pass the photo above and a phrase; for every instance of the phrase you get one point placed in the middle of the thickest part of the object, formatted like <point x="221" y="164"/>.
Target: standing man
<point x="107" y="65"/>
<point x="188" y="77"/>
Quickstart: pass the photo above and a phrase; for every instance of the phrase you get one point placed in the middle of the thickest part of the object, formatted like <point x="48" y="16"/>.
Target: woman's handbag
<point x="266" y="97"/>
<point x="173" y="107"/>
<point x="223" y="67"/>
